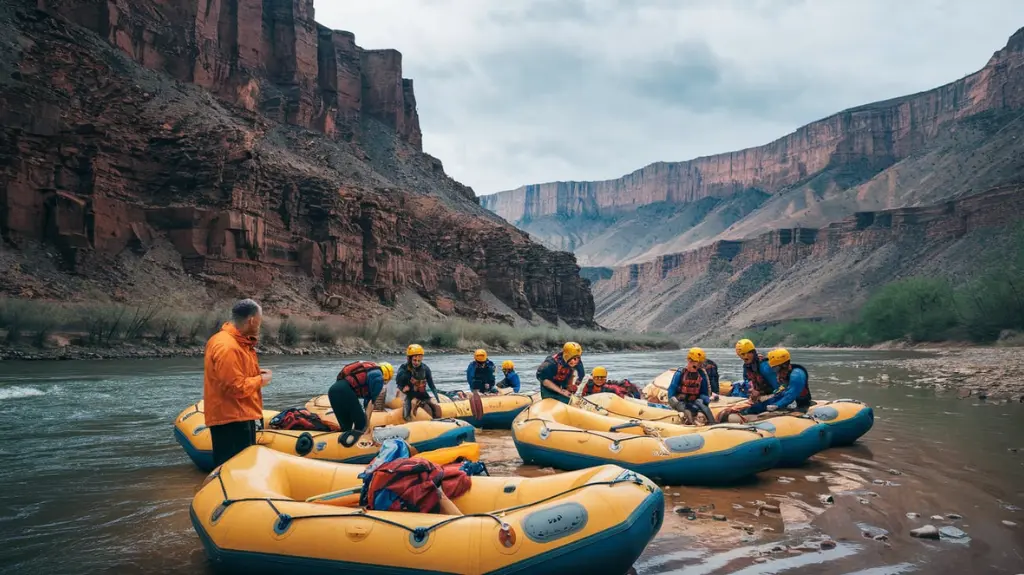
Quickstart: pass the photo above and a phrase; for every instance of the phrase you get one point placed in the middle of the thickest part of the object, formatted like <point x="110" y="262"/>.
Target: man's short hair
<point x="245" y="309"/>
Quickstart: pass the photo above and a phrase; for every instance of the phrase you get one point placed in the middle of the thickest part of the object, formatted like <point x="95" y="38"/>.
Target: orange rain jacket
<point x="232" y="385"/>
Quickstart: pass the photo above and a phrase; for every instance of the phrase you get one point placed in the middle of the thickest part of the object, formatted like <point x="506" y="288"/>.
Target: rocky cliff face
<point x="804" y="273"/>
<point x="810" y="174"/>
<point x="269" y="152"/>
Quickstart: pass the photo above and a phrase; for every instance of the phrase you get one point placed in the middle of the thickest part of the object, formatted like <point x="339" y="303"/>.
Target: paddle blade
<point x="476" y="405"/>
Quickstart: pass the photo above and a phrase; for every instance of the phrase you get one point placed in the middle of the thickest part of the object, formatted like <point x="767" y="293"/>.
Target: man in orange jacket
<point x="233" y="382"/>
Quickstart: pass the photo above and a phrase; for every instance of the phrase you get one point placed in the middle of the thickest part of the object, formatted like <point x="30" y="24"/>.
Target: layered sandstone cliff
<point x="305" y="169"/>
<point x="871" y="230"/>
<point x="784" y="274"/>
<point x="864" y="139"/>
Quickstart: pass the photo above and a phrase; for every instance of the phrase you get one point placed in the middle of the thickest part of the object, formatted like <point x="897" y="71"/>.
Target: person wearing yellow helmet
<point x="758" y="378"/>
<point x="689" y="392"/>
<point x="480" y="373"/>
<point x="359" y="380"/>
<point x="413" y="379"/>
<point x="793" y="392"/>
<point x="560" y="373"/>
<point x="508" y="367"/>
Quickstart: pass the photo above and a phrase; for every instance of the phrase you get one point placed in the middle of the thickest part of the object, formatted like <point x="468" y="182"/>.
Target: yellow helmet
<point x="777" y="357"/>
<point x="480" y="355"/>
<point x="507" y="365"/>
<point x="414" y="349"/>
<point x="571" y="349"/>
<point x="599" y="371"/>
<point x="696" y="354"/>
<point x="387" y="370"/>
<point x="744" y="346"/>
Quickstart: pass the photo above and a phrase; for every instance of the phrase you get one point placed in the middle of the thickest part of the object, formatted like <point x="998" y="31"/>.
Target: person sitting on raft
<point x="758" y="377"/>
<point x="511" y="379"/>
<point x="413" y="379"/>
<point x="597" y="382"/>
<point x="560" y="373"/>
<point x="480" y="373"/>
<point x="359" y="380"/>
<point x="793" y="392"/>
<point x="689" y="392"/>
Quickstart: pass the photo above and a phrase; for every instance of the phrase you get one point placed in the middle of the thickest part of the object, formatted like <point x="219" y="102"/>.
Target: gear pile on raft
<point x="384" y="460"/>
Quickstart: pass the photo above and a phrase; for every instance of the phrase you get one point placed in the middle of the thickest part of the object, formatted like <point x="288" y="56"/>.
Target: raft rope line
<point x="649" y="433"/>
<point x="419" y="533"/>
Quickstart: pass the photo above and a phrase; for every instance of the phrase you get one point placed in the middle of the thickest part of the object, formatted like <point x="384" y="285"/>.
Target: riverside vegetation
<point x="43" y="329"/>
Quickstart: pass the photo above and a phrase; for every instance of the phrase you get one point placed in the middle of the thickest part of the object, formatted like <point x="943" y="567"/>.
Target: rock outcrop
<point x="915" y="150"/>
<point x="808" y="273"/>
<point x="263" y="147"/>
<point x="866" y="230"/>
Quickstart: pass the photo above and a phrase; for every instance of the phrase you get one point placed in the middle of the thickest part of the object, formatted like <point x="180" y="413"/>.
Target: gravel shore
<point x="990" y="373"/>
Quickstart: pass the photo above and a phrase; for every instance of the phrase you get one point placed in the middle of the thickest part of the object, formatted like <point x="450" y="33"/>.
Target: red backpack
<point x="299" y="418"/>
<point x="410" y="484"/>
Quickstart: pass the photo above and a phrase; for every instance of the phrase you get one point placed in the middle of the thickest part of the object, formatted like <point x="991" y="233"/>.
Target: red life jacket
<point x="752" y="373"/>
<point x="412" y="483"/>
<point x="564" y="370"/>
<point x="689" y="385"/>
<point x="355" y="374"/>
<point x="592" y="387"/>
<point x="299" y="418"/>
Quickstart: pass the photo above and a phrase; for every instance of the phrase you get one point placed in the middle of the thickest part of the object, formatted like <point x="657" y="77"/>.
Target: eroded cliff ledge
<point x="871" y="230"/>
<point x="266" y="149"/>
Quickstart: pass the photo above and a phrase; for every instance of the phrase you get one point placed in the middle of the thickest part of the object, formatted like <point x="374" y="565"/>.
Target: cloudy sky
<point x="529" y="91"/>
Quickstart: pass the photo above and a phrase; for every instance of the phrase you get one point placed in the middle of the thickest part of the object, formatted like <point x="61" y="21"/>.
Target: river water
<point x="92" y="481"/>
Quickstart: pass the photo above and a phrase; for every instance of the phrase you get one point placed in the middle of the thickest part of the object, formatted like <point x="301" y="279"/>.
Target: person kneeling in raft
<point x="793" y="392"/>
<point x="413" y="379"/>
<point x="359" y="380"/>
<point x="689" y="391"/>
<point x="559" y="374"/>
<point x="480" y="377"/>
<point x="511" y="377"/>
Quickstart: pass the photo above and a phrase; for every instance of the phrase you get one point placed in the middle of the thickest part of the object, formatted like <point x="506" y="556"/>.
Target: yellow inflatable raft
<point x="847" y="419"/>
<point x="252" y="517"/>
<point x="551" y="433"/>
<point x="800" y="436"/>
<point x="499" y="410"/>
<point x="193" y="435"/>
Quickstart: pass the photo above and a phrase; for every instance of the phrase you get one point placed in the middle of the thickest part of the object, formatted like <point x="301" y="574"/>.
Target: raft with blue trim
<point x="252" y="516"/>
<point x="499" y="409"/>
<point x="551" y="433"/>
<point x="800" y="436"/>
<point x="847" y="419"/>
<point x="193" y="435"/>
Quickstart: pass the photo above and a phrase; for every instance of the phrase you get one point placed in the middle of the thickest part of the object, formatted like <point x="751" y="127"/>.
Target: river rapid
<point x="92" y="481"/>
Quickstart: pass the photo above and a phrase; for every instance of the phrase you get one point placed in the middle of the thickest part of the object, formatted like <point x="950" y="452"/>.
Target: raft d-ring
<point x="507" y="535"/>
<point x="544" y="432"/>
<point x="615" y="447"/>
<point x="304" y="444"/>
<point x="283" y="522"/>
<point x="419" y="536"/>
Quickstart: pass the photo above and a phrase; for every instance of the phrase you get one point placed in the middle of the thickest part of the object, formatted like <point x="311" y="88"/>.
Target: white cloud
<point x="514" y="93"/>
